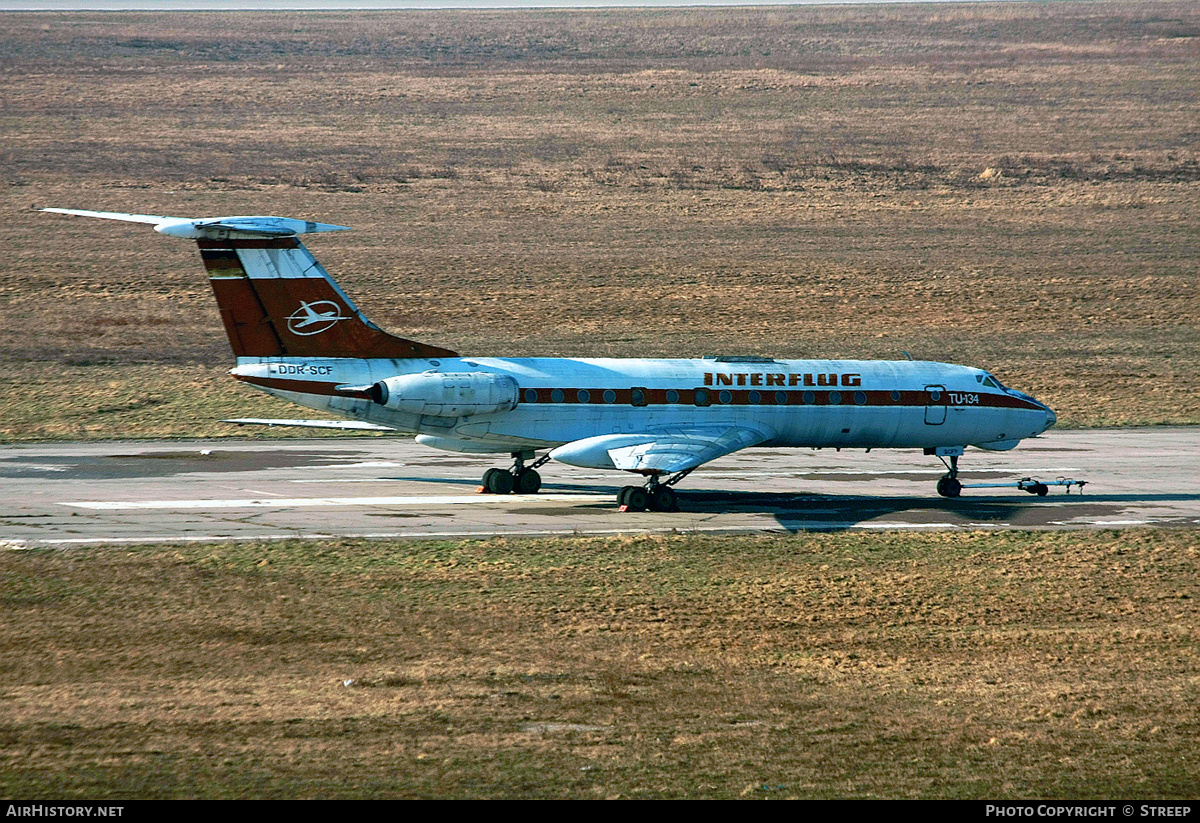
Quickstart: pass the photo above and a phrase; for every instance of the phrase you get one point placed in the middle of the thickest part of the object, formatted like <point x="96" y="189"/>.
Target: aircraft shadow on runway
<point x="803" y="510"/>
<point x="797" y="512"/>
<point x="800" y="512"/>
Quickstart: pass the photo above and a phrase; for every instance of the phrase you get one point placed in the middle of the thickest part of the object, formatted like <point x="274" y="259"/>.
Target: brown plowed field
<point x="1009" y="186"/>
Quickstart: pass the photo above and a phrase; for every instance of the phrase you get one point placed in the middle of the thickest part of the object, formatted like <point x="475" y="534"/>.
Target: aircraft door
<point x="935" y="410"/>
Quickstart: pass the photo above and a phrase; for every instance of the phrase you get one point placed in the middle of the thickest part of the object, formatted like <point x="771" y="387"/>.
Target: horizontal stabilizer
<point x="114" y="215"/>
<point x="214" y="228"/>
<point x="353" y="425"/>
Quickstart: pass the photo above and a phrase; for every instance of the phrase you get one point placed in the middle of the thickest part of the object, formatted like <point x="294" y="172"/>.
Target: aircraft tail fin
<point x="275" y="299"/>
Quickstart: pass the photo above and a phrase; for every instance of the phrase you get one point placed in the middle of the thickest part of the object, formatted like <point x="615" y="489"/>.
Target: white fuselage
<point x="812" y="403"/>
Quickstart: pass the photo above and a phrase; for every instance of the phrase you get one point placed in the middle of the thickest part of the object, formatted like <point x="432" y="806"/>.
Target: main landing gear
<point x="655" y="496"/>
<point x="520" y="479"/>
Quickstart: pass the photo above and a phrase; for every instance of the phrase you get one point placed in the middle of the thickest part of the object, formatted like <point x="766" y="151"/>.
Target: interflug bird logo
<point x="315" y="317"/>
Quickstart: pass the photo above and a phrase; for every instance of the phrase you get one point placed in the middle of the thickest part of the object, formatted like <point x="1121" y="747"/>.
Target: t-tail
<point x="275" y="299"/>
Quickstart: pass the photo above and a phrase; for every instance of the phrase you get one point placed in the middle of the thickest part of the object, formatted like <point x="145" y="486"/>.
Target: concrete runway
<point x="388" y="487"/>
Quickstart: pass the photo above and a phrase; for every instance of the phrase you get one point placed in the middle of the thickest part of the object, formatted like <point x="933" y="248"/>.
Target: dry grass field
<point x="1012" y="186"/>
<point x="1053" y="665"/>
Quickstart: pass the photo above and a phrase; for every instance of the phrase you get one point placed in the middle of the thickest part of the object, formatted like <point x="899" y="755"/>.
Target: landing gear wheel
<point x="1040" y="489"/>
<point x="949" y="487"/>
<point x="498" y="481"/>
<point x="527" y="482"/>
<point x="633" y="499"/>
<point x="487" y="481"/>
<point x="663" y="499"/>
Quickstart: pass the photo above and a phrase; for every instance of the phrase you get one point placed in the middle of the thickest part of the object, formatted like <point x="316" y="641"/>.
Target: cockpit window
<point x="989" y="381"/>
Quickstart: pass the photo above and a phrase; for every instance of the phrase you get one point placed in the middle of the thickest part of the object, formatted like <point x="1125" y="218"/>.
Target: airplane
<point x="296" y="335"/>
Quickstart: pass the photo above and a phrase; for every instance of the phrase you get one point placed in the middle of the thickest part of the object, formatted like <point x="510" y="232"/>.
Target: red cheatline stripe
<point x="766" y="397"/>
<point x="687" y="397"/>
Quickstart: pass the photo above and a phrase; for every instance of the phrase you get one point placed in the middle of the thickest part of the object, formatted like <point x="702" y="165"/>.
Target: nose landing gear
<point x="948" y="485"/>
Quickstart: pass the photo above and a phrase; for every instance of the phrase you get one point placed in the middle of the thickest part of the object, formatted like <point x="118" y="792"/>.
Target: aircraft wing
<point x="356" y="425"/>
<point x="664" y="451"/>
<point x="212" y="227"/>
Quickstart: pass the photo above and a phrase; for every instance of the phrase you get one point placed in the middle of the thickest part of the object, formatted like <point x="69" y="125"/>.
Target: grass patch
<point x="885" y="665"/>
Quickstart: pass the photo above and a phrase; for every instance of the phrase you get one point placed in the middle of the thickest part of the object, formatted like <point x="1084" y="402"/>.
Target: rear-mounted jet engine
<point x="451" y="394"/>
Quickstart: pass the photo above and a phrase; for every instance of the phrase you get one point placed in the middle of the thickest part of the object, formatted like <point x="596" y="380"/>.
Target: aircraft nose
<point x="1051" y="417"/>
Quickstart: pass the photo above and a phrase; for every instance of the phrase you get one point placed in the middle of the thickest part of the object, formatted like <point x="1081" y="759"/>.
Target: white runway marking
<point x="365" y="464"/>
<point x="297" y="502"/>
<point x="900" y="526"/>
<point x="344" y="480"/>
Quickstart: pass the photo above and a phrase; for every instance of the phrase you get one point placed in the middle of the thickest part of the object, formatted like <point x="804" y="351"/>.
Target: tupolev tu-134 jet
<point x="297" y="336"/>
